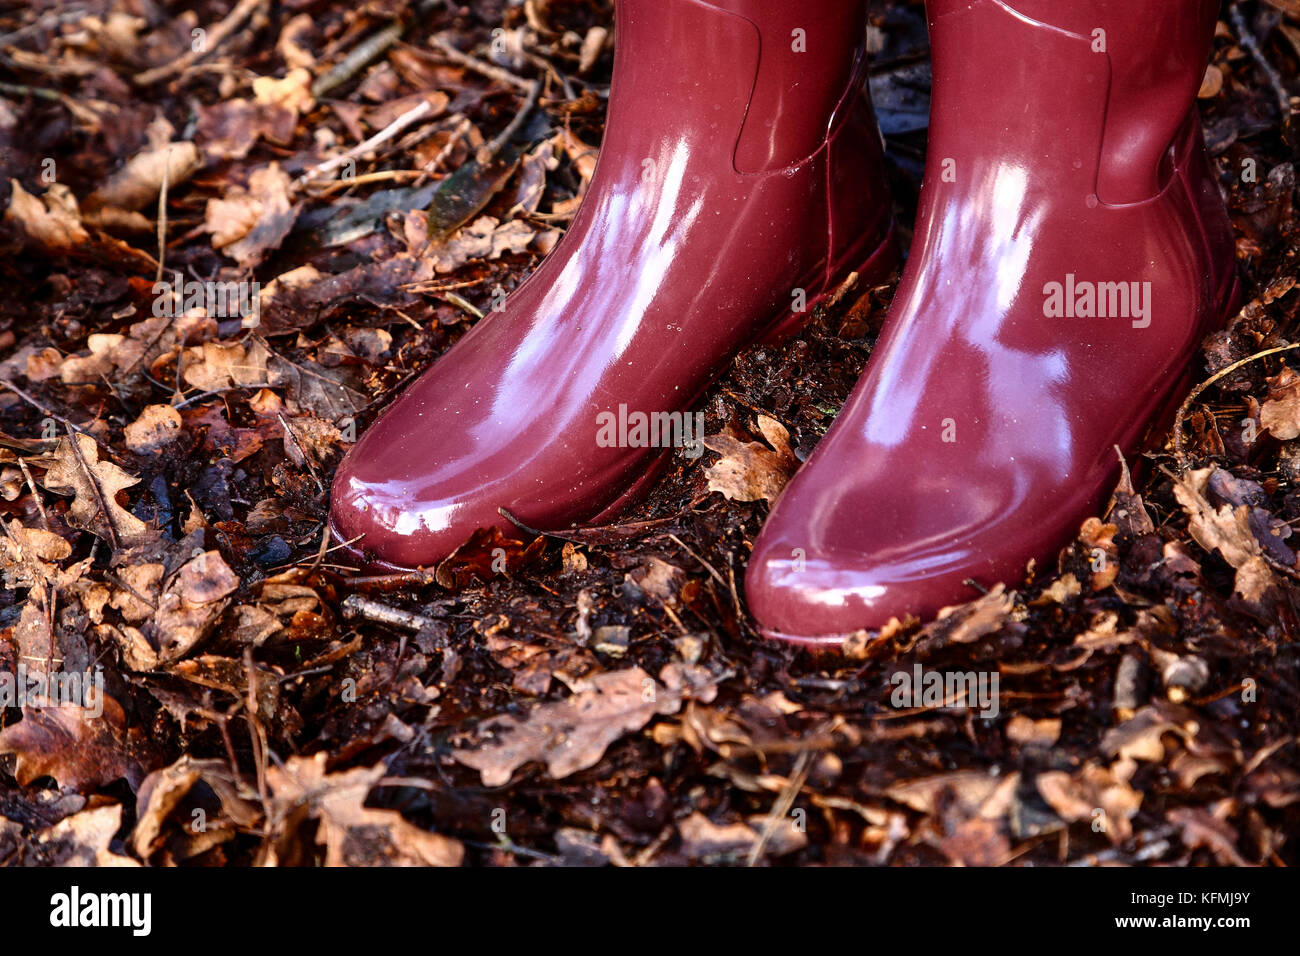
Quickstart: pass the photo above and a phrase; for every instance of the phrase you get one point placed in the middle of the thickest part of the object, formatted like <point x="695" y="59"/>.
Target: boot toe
<point x="818" y="598"/>
<point x="383" y="527"/>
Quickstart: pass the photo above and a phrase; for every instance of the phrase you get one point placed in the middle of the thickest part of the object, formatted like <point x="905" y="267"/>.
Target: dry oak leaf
<point x="708" y="842"/>
<point x="51" y="221"/>
<point x="28" y="556"/>
<point x="1280" y="413"/>
<point x="352" y="833"/>
<point x="166" y="789"/>
<point x="293" y="92"/>
<point x="94" y="485"/>
<point x="213" y="366"/>
<point x="572" y="734"/>
<point x="967" y="623"/>
<point x="1095" y="788"/>
<point x="249" y="223"/>
<point x="1225" y="529"/>
<point x="484" y="238"/>
<point x="83" y="839"/>
<point x="751" y="471"/>
<point x="82" y="751"/>
<point x="140" y="180"/>
<point x="229" y="129"/>
<point x="156" y="428"/>
<point x="1099" y="540"/>
<point x="1141" y="736"/>
<point x="1203" y="828"/>
<point x="191" y="605"/>
<point x="103" y="346"/>
<point x="1026" y="730"/>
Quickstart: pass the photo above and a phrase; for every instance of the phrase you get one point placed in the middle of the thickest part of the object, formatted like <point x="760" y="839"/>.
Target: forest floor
<point x="164" y="488"/>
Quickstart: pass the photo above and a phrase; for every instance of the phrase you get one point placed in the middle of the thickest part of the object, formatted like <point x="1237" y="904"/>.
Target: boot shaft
<point x="766" y="78"/>
<point x="1132" y="65"/>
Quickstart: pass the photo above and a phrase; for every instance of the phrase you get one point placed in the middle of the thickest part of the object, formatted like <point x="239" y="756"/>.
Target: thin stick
<point x="162" y="216"/>
<point x="1248" y="40"/>
<point x="491" y="71"/>
<point x="488" y="150"/>
<point x="42" y="408"/>
<point x="416" y="113"/>
<point x="31" y="486"/>
<point x="216" y="36"/>
<point x="356" y="606"/>
<point x="1187" y="402"/>
<point x="100" y="503"/>
<point x="360" y="57"/>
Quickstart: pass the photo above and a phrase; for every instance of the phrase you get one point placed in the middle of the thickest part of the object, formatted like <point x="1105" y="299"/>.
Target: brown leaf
<point x="80" y="750"/>
<point x="1096" y="794"/>
<point x="353" y="834"/>
<point x="571" y="735"/>
<point x="228" y="130"/>
<point x="154" y="431"/>
<point x="166" y="790"/>
<point x="1200" y="828"/>
<point x="708" y="842"/>
<point x="1225" y="529"/>
<point x="95" y="485"/>
<point x="140" y="180"/>
<point x="1280" y="413"/>
<point x="1042" y="733"/>
<point x="249" y="223"/>
<point x="82" y="839"/>
<point x="191" y="605"/>
<point x="751" y="471"/>
<point x="52" y="222"/>
<point x="484" y="238"/>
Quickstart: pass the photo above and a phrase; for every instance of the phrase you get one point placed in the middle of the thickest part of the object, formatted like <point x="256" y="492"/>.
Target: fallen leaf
<point x="484" y="238"/>
<point x="248" y="223"/>
<point x="83" y="839"/>
<point x="94" y="485"/>
<point x="748" y="470"/>
<point x="570" y="735"/>
<point x="80" y="749"/>
<point x="140" y="180"/>
<point x="1280" y="412"/>
<point x="353" y="834"/>
<point x="154" y="431"/>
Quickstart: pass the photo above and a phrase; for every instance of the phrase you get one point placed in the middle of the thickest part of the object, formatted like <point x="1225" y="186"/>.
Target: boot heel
<point x="872" y="270"/>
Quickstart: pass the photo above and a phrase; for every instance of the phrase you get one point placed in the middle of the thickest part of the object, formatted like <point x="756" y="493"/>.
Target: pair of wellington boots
<point x="1071" y="250"/>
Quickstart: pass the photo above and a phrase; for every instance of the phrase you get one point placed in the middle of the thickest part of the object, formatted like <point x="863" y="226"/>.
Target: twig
<point x="31" y="486"/>
<point x="416" y="113"/>
<point x="1248" y="40"/>
<point x="219" y="391"/>
<point x="711" y="569"/>
<point x="1187" y="402"/>
<point x="356" y="606"/>
<point x="18" y="89"/>
<point x="488" y="150"/>
<point x="51" y="19"/>
<point x="782" y="805"/>
<point x="42" y="408"/>
<point x="162" y="216"/>
<point x="293" y="437"/>
<point x="462" y="303"/>
<point x="355" y="61"/>
<point x="216" y="36"/>
<point x="491" y="71"/>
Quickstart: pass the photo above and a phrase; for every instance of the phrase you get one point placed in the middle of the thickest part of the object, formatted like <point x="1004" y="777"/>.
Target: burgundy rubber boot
<point x="1071" y="251"/>
<point x="739" y="179"/>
